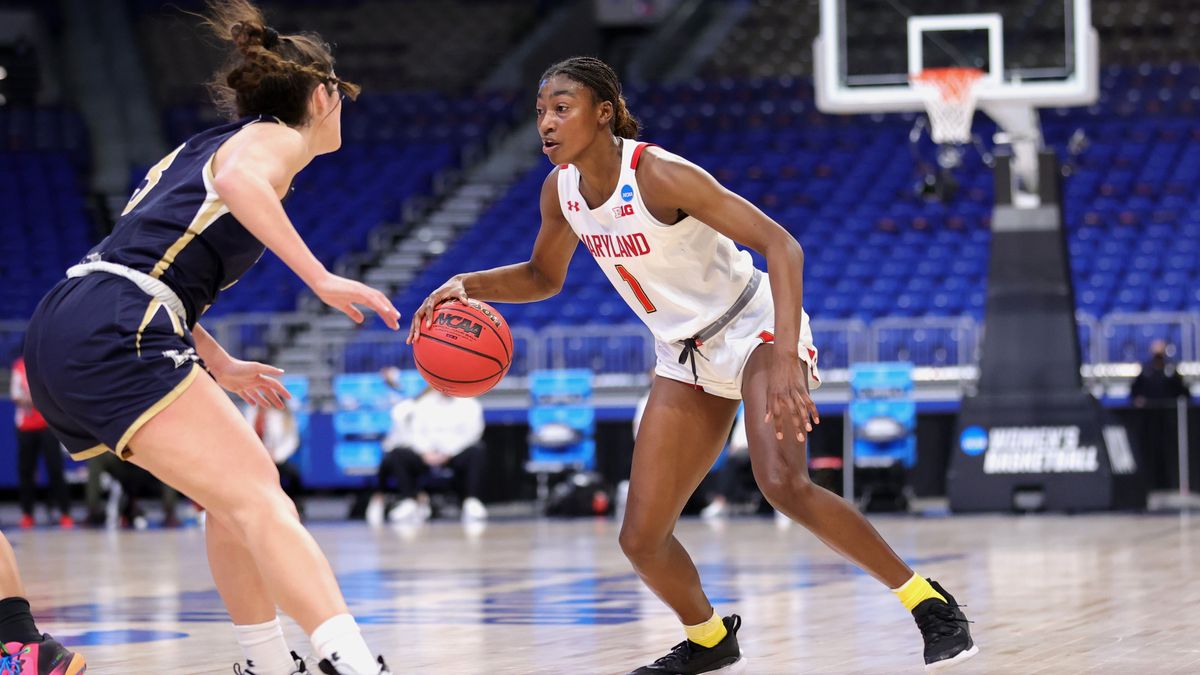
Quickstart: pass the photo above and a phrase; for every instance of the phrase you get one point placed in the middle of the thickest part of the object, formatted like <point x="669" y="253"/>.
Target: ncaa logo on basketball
<point x="973" y="441"/>
<point x="627" y="192"/>
<point x="459" y="323"/>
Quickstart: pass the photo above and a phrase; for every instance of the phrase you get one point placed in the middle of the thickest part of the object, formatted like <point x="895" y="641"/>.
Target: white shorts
<point x="722" y="358"/>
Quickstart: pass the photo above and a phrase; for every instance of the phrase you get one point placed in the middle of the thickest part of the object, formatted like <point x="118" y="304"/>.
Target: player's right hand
<point x="453" y="289"/>
<point x="344" y="294"/>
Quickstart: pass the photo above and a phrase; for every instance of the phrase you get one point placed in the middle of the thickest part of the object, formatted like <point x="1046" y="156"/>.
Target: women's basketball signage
<point x="1038" y="450"/>
<point x="1032" y="450"/>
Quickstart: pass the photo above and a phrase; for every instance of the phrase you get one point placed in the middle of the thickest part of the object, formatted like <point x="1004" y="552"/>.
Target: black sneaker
<point x="330" y="669"/>
<point x="688" y="657"/>
<point x="946" y="631"/>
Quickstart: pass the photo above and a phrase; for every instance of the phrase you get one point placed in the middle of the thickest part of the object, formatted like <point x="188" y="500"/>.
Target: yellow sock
<point x="709" y="633"/>
<point x="915" y="591"/>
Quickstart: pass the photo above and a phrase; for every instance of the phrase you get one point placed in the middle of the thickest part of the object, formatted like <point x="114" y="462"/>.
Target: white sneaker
<point x="375" y="508"/>
<point x="474" y="529"/>
<point x="782" y="522"/>
<point x="716" y="509"/>
<point x="406" y="511"/>
<point x="473" y="509"/>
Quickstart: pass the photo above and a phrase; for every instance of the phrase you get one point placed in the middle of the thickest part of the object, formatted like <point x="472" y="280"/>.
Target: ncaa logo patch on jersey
<point x="627" y="192"/>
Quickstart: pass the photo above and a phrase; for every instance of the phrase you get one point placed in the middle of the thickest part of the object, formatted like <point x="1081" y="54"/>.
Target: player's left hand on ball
<point x="453" y="289"/>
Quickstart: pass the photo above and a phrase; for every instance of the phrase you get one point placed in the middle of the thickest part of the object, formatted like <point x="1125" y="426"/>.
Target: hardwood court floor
<point x="1052" y="594"/>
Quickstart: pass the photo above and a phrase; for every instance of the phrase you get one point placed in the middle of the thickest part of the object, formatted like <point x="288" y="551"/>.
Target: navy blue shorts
<point x="102" y="358"/>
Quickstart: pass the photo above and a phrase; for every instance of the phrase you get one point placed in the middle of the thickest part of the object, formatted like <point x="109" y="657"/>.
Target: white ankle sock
<point x="340" y="641"/>
<point x="265" y="649"/>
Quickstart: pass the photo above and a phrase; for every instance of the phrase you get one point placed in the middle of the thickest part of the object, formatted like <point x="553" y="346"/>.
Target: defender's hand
<point x="254" y="382"/>
<point x="344" y="294"/>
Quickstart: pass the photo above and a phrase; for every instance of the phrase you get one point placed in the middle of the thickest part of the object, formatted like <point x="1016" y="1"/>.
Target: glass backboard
<point x="1042" y="52"/>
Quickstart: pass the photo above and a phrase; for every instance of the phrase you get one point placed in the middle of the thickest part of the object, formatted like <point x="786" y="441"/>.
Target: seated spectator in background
<point x="134" y="482"/>
<point x="730" y="476"/>
<point x="280" y="434"/>
<point x="433" y="436"/>
<point x="733" y="481"/>
<point x="35" y="440"/>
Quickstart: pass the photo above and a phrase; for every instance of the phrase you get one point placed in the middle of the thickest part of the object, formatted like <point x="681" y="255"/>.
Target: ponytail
<point x="624" y="124"/>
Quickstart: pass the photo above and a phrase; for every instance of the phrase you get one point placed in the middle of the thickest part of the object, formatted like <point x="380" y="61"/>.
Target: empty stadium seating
<point x="46" y="226"/>
<point x="447" y="45"/>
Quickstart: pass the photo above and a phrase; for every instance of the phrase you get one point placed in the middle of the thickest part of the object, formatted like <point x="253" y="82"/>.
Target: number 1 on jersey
<point x="637" y="289"/>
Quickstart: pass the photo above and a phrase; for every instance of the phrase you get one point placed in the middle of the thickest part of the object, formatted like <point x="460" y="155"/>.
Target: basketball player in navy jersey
<point x="663" y="230"/>
<point x="117" y="360"/>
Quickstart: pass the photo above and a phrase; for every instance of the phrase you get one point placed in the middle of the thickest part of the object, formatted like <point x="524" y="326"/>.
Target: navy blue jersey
<point x="176" y="228"/>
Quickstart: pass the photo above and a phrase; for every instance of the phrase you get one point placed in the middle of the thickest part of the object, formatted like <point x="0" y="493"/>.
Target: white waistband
<point x="151" y="286"/>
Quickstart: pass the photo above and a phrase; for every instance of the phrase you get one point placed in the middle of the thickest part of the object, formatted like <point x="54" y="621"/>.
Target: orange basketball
<point x="466" y="350"/>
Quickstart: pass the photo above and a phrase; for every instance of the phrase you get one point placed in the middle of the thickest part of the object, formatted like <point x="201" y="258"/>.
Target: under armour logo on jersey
<point x="572" y="206"/>
<point x="181" y="357"/>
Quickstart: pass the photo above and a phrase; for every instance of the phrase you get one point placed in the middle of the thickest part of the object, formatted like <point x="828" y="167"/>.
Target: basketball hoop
<point x="950" y="95"/>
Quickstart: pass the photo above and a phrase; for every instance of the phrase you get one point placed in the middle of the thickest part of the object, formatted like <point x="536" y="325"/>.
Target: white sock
<point x="265" y="649"/>
<point x="340" y="641"/>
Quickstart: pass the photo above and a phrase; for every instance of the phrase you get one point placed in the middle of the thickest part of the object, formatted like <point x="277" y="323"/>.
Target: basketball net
<point x="950" y="95"/>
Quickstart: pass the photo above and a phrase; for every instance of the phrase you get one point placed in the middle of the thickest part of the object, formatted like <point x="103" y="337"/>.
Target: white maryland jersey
<point x="678" y="278"/>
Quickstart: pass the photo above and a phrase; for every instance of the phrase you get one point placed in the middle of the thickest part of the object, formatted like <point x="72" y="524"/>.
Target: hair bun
<point x="247" y="35"/>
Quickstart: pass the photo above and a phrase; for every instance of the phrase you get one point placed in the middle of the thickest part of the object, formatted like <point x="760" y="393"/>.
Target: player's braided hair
<point x="268" y="73"/>
<point x="602" y="80"/>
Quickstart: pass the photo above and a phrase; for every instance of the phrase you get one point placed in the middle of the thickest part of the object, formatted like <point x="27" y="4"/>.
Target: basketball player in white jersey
<point x="663" y="230"/>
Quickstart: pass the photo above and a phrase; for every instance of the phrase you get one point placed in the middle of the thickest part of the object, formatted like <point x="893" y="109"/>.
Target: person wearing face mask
<point x="1154" y="394"/>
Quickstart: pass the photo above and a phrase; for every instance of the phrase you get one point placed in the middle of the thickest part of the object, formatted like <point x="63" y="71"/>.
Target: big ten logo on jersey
<point x="458" y="323"/>
<point x="622" y="210"/>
